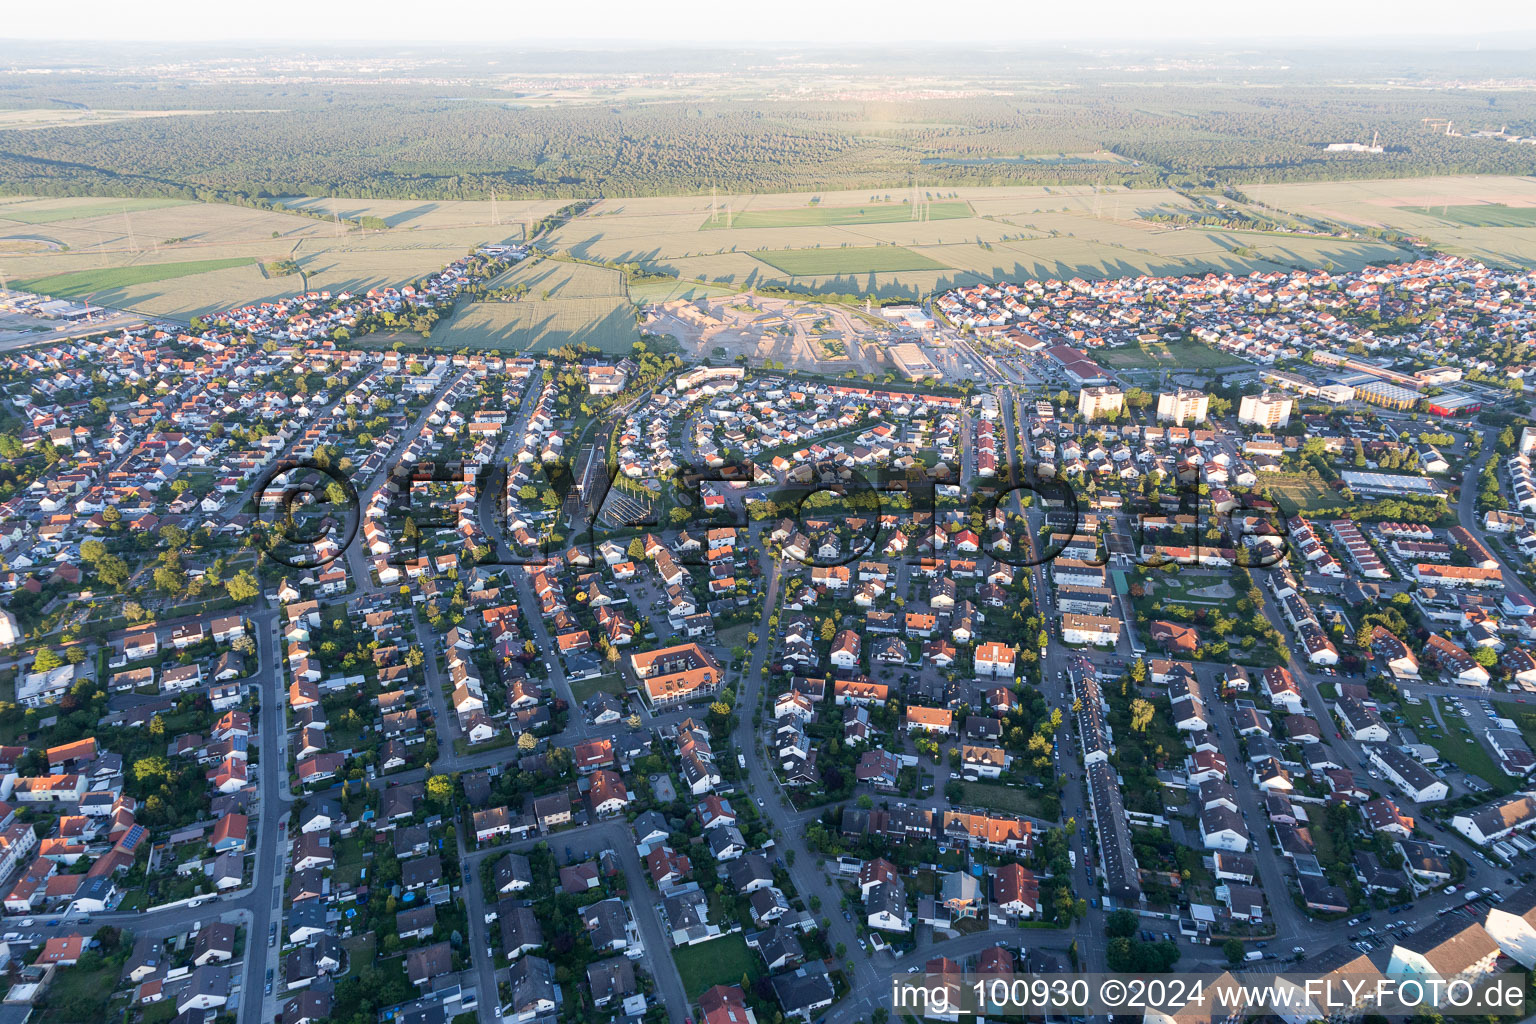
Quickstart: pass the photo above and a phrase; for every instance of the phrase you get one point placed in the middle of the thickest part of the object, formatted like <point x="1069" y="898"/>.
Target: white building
<point x="1267" y="410"/>
<point x="1497" y="820"/>
<point x="1418" y="783"/>
<point x="1513" y="926"/>
<point x="1100" y="402"/>
<point x="1184" y="406"/>
<point x="1094" y="630"/>
<point x="39" y="688"/>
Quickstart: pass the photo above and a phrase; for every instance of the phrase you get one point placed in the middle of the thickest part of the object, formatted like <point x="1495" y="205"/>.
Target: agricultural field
<point x="560" y="279"/>
<point x="536" y="325"/>
<point x="175" y="258"/>
<point x="49" y="211"/>
<point x="659" y="290"/>
<point x="184" y="259"/>
<point x="882" y="212"/>
<point x="882" y="259"/>
<point x="123" y="230"/>
<point x="1488" y="217"/>
<point x="1009" y="233"/>
<point x="106" y="282"/>
<point x="510" y="219"/>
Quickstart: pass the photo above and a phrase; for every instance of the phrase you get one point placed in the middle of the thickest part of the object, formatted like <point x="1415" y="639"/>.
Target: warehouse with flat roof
<point x="912" y="363"/>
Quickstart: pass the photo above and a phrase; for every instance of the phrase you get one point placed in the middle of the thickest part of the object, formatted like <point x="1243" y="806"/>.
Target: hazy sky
<point x="741" y="24"/>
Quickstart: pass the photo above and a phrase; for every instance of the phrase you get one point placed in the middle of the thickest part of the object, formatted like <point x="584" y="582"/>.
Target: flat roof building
<point x="1267" y="410"/>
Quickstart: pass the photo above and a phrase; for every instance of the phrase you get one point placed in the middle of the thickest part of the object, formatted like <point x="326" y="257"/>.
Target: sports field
<point x="110" y="279"/>
<point x="882" y="259"/>
<point x="1180" y="355"/>
<point x="1297" y="493"/>
<point x="822" y="216"/>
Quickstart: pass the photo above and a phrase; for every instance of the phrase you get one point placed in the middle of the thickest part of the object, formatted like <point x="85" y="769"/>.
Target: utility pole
<point x="128" y="226"/>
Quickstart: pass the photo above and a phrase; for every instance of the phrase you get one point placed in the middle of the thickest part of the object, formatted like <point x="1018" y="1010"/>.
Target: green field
<point x="89" y="282"/>
<point x="719" y="961"/>
<point x="39" y="213"/>
<point x="1183" y="355"/>
<point x="1522" y="715"/>
<point x="585" y="689"/>
<point x="541" y="325"/>
<point x="1298" y="493"/>
<point x="825" y="216"/>
<point x="1457" y="746"/>
<point x="874" y="259"/>
<point x="1012" y="799"/>
<point x="1485" y="215"/>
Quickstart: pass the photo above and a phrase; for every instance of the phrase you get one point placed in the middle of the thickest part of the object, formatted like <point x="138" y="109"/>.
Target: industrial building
<point x="1388" y="396"/>
<point x="912" y="362"/>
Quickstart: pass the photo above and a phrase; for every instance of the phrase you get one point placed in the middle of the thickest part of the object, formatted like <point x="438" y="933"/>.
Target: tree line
<point x="417" y="146"/>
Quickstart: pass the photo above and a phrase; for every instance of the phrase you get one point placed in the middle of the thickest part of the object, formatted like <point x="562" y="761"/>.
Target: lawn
<point x="349" y="862"/>
<point x="719" y="961"/>
<point x="828" y="216"/>
<point x="1012" y="799"/>
<point x="862" y="259"/>
<point x="1178" y="590"/>
<point x="1486" y="215"/>
<point x="361" y="949"/>
<point x="1457" y="746"/>
<point x="1524" y="718"/>
<point x="584" y="689"/>
<point x="88" y="282"/>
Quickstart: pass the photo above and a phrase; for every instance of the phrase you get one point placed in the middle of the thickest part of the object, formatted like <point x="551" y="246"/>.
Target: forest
<point x="255" y="142"/>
